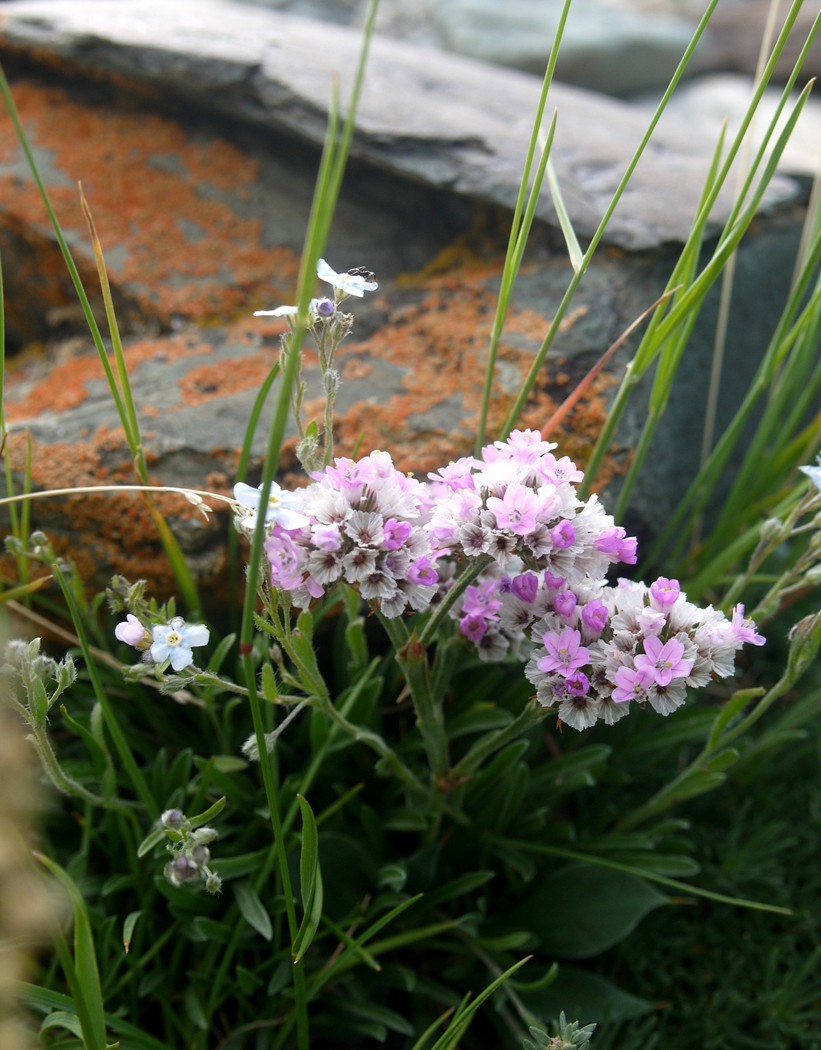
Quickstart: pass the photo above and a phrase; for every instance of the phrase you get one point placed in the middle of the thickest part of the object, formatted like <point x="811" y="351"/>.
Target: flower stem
<point x="412" y="657"/>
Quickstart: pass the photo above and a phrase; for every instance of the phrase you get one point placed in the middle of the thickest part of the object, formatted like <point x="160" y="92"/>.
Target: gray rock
<point x="607" y="47"/>
<point x="441" y="120"/>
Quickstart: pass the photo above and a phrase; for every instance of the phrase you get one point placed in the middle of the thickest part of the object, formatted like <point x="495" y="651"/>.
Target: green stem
<point x="531" y="716"/>
<point x="101" y="695"/>
<point x="473" y="569"/>
<point x="412" y="657"/>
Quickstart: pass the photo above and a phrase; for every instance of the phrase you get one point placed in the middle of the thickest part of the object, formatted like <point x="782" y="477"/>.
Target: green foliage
<point x="460" y="855"/>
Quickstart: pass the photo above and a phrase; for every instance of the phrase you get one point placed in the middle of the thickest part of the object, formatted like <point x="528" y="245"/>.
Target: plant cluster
<point x="360" y="818"/>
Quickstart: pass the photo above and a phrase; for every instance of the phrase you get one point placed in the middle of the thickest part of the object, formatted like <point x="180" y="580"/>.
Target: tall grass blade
<point x="82" y="974"/>
<point x="530" y="380"/>
<point x="520" y="227"/>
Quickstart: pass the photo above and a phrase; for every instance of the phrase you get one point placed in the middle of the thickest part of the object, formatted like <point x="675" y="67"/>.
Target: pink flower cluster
<point x="518" y="499"/>
<point x="591" y="648"/>
<point x="363" y="526"/>
<point x="630" y="643"/>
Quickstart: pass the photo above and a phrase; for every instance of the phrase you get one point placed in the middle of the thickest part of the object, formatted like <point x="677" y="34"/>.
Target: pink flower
<point x="664" y="661"/>
<point x="395" y="533"/>
<point x="131" y="632"/>
<point x="665" y="592"/>
<point x="473" y="626"/>
<point x="516" y="511"/>
<point x="565" y="653"/>
<point x="564" y="604"/>
<point x="744" y="630"/>
<point x="421" y="571"/>
<point x="632" y="684"/>
<point x="595" y="616"/>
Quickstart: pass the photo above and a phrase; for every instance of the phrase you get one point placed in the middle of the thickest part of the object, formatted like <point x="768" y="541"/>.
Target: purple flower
<point x="595" y="616"/>
<point x="395" y="533"/>
<point x="525" y="586"/>
<point x="421" y="571"/>
<point x="564" y="604"/>
<point x="563" y="534"/>
<point x="577" y="684"/>
<point x="473" y="626"/>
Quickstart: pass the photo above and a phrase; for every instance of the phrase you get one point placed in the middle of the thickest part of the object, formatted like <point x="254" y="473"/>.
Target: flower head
<point x="175" y="640"/>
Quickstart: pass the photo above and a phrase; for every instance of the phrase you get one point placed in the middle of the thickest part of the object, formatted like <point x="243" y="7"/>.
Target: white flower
<point x="283" y="506"/>
<point x="317" y="309"/>
<point x="814" y="473"/>
<point x="174" y="641"/>
<point x="351" y="283"/>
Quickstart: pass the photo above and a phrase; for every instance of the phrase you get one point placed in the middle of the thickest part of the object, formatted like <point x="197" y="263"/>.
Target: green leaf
<point x="83" y="977"/>
<point x="310" y="881"/>
<point x="63" y="1019"/>
<point x="152" y="839"/>
<point x="209" y="814"/>
<point x="582" y="910"/>
<point x="128" y="929"/>
<point x="734" y="706"/>
<point x="193" y="1007"/>
<point x="585" y="996"/>
<point x="221" y="652"/>
<point x="465" y="1014"/>
<point x="253" y="910"/>
<point x="268" y="684"/>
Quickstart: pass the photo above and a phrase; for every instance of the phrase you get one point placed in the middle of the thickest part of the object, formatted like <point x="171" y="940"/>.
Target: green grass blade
<point x="519" y="228"/>
<point x="530" y="380"/>
<point x="85" y="979"/>
<point x="466" y="1012"/>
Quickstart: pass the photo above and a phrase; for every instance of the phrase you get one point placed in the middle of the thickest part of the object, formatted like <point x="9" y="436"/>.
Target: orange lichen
<point x="163" y="202"/>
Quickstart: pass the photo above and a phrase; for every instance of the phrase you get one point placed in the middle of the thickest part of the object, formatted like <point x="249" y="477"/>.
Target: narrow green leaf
<point x="193" y="1007"/>
<point x="734" y="706"/>
<point x="310" y="921"/>
<point x="209" y="814"/>
<point x="310" y="878"/>
<point x="88" y="995"/>
<point x="268" y="684"/>
<point x="152" y="839"/>
<point x="574" y="250"/>
<point x="253" y="910"/>
<point x="220" y="653"/>
<point x="465" y="1014"/>
<point x="128" y="929"/>
<point x="63" y="1019"/>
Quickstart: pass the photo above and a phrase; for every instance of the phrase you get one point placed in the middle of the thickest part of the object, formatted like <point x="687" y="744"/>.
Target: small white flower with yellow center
<point x="175" y="640"/>
<point x="283" y="507"/>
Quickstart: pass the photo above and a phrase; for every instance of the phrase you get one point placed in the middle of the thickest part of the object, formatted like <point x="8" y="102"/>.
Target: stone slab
<point x="441" y="120"/>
